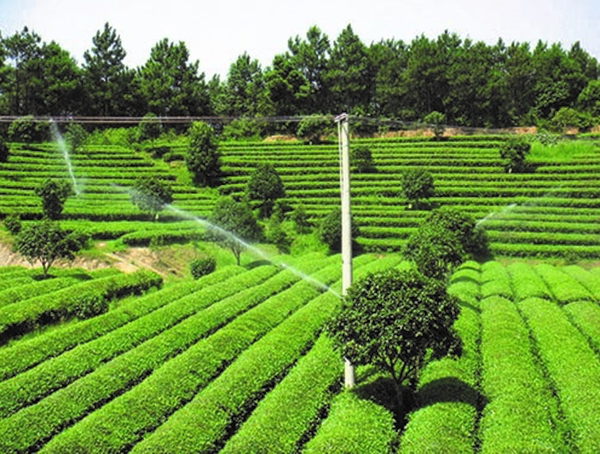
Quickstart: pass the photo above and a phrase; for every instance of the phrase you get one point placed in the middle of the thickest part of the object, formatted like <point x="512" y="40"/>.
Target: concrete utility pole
<point x="343" y="140"/>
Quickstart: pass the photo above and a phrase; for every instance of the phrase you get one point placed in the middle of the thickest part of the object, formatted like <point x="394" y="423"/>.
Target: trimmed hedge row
<point x="564" y="288"/>
<point x="521" y="415"/>
<point x="124" y="420"/>
<point x="354" y="425"/>
<point x="50" y="416"/>
<point x="585" y="278"/>
<point x="82" y="300"/>
<point x="572" y="366"/>
<point x="31" y="289"/>
<point x="586" y="317"/>
<point x="58" y="372"/>
<point x="284" y="416"/>
<point x="526" y="283"/>
<point x="27" y="353"/>
<point x="447" y="392"/>
<point x="495" y="281"/>
<point x="241" y="384"/>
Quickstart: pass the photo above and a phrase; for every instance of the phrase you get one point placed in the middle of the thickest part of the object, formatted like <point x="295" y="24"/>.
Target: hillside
<point x="236" y="362"/>
<point x="551" y="212"/>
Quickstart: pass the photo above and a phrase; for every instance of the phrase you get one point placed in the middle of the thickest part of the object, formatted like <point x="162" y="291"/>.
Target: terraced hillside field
<point x="552" y="212"/>
<point x="237" y="362"/>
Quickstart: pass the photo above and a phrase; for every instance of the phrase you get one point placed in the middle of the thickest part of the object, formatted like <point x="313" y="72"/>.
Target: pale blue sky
<point x="217" y="32"/>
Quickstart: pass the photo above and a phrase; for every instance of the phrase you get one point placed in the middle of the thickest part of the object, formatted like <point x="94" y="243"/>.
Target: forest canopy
<point x="470" y="83"/>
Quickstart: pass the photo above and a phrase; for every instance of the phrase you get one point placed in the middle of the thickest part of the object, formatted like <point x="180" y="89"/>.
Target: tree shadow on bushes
<point x="449" y="389"/>
<point x="382" y="392"/>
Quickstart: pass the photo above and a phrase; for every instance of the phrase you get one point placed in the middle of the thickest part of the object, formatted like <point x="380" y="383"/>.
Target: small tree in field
<point x="434" y="250"/>
<point x="514" y="153"/>
<point x="330" y="230"/>
<point x="266" y="187"/>
<point x="417" y="187"/>
<point x="445" y="238"/>
<point x="151" y="195"/>
<point x="436" y="121"/>
<point x="362" y="160"/>
<point x="203" y="158"/>
<point x="149" y="128"/>
<point x="300" y="219"/>
<point x="472" y="239"/>
<point x="235" y="225"/>
<point x="45" y="242"/>
<point x="53" y="196"/>
<point x="394" y="320"/>
<point x="75" y="135"/>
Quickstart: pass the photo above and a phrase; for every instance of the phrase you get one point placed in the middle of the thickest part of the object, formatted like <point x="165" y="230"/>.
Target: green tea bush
<point x="202" y="266"/>
<point x="27" y="130"/>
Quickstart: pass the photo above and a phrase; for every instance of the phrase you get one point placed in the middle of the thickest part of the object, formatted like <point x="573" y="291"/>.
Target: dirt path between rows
<point x="127" y="261"/>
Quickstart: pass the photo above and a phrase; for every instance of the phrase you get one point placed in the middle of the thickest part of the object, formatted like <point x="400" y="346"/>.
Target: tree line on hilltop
<point x="470" y="83"/>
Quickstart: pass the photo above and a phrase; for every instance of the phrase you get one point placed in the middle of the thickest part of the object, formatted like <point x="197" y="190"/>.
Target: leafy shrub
<point x="393" y="320"/>
<point x="514" y="153"/>
<point x="76" y="136"/>
<point x="473" y="240"/>
<point x="362" y="160"/>
<point x="202" y="266"/>
<point x="436" y="121"/>
<point x="266" y="187"/>
<point x="151" y="195"/>
<point x="313" y="127"/>
<point x="434" y="250"/>
<point x="53" y="196"/>
<point x="277" y="236"/>
<point x="417" y="187"/>
<point x="91" y="305"/>
<point x="12" y="223"/>
<point x="203" y="158"/>
<point x="330" y="231"/>
<point x="149" y="128"/>
<point x="27" y="130"/>
<point x="300" y="219"/>
<point x="242" y="128"/>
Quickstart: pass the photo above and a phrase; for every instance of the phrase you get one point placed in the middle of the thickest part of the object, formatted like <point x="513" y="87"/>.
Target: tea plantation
<point x="237" y="361"/>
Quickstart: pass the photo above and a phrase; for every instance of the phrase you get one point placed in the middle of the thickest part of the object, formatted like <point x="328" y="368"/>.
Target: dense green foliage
<point x="4" y="151"/>
<point x="330" y="230"/>
<point x="203" y="158"/>
<point x="417" y="187"/>
<point x="470" y="83"/>
<point x="265" y="186"/>
<point x="202" y="266"/>
<point x="393" y="320"/>
<point x="45" y="242"/>
<point x="434" y="250"/>
<point x="53" y="196"/>
<point x="233" y="226"/>
<point x="151" y="195"/>
<point x="514" y="153"/>
<point x="361" y="160"/>
<point x="239" y="361"/>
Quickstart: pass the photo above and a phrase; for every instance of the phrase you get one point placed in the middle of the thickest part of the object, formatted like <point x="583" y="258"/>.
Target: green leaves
<point x="53" y="196"/>
<point x="151" y="194"/>
<point x="234" y="226"/>
<point x="391" y="319"/>
<point x="46" y="242"/>
<point x="266" y="186"/>
<point x="417" y="187"/>
<point x="203" y="158"/>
